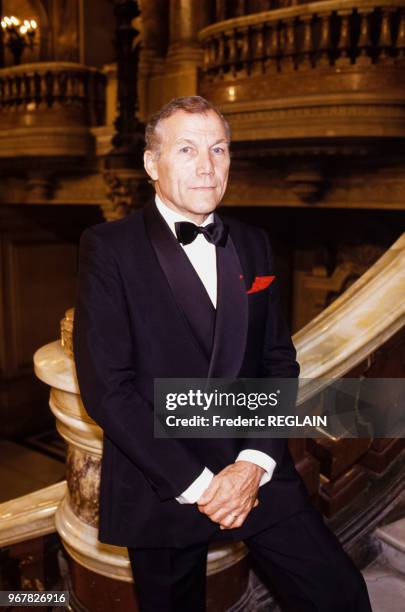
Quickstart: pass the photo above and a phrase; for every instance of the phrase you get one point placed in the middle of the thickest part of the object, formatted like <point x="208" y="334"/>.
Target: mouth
<point x="203" y="188"/>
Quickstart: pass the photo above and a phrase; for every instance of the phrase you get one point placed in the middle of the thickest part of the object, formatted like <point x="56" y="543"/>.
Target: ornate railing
<point x="319" y="34"/>
<point x="72" y="91"/>
<point x="329" y="69"/>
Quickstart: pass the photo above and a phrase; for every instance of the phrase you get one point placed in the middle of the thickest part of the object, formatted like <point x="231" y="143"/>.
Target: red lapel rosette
<point x="260" y="283"/>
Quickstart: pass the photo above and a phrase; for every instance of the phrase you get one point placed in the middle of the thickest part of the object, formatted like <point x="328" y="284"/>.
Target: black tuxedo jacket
<point x="142" y="313"/>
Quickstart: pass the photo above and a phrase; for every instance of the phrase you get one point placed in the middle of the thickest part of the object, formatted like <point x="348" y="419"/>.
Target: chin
<point x="204" y="207"/>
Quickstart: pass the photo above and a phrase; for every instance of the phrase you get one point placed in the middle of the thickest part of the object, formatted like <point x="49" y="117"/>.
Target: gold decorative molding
<point x="39" y="186"/>
<point x="307" y="184"/>
<point x="124" y="192"/>
<point x="47" y="141"/>
<point x="66" y="327"/>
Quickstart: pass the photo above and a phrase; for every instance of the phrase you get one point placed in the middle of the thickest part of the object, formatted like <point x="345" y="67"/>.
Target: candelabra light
<point x="18" y="35"/>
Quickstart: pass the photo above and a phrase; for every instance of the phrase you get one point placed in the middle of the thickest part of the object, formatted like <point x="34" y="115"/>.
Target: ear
<point x="149" y="161"/>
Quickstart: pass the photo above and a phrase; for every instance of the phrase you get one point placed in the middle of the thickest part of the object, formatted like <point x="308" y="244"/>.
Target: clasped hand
<point x="232" y="494"/>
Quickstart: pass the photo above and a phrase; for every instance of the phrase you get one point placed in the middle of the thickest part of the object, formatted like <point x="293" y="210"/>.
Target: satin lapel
<point x="188" y="290"/>
<point x="232" y="315"/>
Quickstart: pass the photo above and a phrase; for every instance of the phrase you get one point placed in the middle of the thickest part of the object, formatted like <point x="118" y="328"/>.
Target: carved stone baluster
<point x="36" y="79"/>
<point x="78" y="95"/>
<point x="307" y="44"/>
<point x="400" y="43"/>
<point x="385" y="41"/>
<point x="364" y="42"/>
<point x="244" y="46"/>
<point x="81" y="88"/>
<point x="43" y="89"/>
<point x="30" y="88"/>
<point x="220" y="55"/>
<point x="232" y="52"/>
<point x="75" y="89"/>
<point x="89" y="87"/>
<point x="21" y="90"/>
<point x="325" y="43"/>
<point x="212" y="55"/>
<point x="4" y="92"/>
<point x="50" y="88"/>
<point x="273" y="48"/>
<point x="69" y="88"/>
<point x="12" y="93"/>
<point x="57" y="89"/>
<point x="18" y="93"/>
<point x="288" y="46"/>
<point x="7" y="91"/>
<point x="207" y="54"/>
<point x="344" y="39"/>
<point x="258" y="49"/>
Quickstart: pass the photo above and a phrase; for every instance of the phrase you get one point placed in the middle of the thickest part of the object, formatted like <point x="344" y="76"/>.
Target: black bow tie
<point x="216" y="233"/>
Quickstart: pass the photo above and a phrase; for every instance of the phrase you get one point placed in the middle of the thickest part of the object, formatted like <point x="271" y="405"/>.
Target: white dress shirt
<point x="202" y="256"/>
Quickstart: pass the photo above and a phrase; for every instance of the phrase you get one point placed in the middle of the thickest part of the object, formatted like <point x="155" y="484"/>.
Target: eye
<point x="218" y="150"/>
<point x="186" y="149"/>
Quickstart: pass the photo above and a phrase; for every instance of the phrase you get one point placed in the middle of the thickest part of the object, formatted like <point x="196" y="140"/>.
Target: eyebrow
<point x="188" y="140"/>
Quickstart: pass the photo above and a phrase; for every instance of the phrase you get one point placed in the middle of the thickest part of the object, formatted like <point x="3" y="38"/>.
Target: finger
<point x="239" y="521"/>
<point x="209" y="494"/>
<point x="228" y="521"/>
<point x="234" y="522"/>
<point x="241" y="512"/>
<point x="213" y="507"/>
<point x="218" y="514"/>
<point x="219" y="501"/>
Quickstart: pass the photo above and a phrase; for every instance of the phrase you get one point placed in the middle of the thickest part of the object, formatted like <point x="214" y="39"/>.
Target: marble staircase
<point x="385" y="577"/>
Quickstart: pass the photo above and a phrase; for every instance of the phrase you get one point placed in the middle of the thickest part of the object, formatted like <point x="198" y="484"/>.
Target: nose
<point x="204" y="163"/>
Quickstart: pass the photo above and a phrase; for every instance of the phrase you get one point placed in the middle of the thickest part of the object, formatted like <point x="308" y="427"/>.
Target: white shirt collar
<point x="171" y="216"/>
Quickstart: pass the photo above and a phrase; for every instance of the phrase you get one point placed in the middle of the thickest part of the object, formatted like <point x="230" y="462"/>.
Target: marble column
<point x="184" y="57"/>
<point x="154" y="26"/>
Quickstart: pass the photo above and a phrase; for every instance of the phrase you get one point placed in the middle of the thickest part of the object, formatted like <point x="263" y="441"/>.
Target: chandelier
<point x="18" y="35"/>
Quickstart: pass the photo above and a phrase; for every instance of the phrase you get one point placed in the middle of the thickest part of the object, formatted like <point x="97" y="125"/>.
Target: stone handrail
<point x="359" y="321"/>
<point x="30" y="516"/>
<point x="53" y="86"/>
<point x="333" y="32"/>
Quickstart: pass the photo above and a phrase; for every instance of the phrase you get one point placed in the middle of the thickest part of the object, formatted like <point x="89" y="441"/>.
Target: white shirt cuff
<point x="197" y="488"/>
<point x="261" y="459"/>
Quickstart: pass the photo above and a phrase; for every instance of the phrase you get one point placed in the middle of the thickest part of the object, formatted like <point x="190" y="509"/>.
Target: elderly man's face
<point x="191" y="168"/>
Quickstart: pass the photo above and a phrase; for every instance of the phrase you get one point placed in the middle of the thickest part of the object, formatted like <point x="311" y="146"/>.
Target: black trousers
<point x="300" y="558"/>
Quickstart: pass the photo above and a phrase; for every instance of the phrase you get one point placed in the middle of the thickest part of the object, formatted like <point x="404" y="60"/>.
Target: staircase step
<point x="386" y="587"/>
<point x="392" y="539"/>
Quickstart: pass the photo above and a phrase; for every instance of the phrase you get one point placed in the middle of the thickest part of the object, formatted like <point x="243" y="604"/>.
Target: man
<point x="167" y="292"/>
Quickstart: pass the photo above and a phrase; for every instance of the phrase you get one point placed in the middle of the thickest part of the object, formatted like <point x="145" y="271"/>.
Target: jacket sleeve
<point x="278" y="358"/>
<point x="104" y="358"/>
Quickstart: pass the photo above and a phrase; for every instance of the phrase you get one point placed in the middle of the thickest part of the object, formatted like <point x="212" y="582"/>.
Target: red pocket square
<point x="260" y="283"/>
